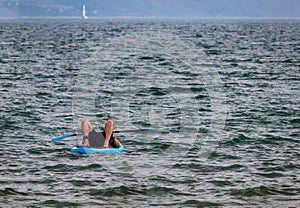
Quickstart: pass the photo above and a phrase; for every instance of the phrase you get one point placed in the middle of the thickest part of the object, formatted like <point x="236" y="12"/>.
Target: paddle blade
<point x="62" y="137"/>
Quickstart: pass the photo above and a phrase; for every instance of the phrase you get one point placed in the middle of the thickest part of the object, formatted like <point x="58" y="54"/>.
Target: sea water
<point x="223" y="97"/>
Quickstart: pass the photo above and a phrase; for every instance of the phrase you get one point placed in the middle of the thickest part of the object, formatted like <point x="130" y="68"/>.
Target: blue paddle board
<point x="91" y="150"/>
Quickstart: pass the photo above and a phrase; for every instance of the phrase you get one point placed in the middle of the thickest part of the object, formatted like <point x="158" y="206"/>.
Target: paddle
<point x="134" y="130"/>
<point x="63" y="137"/>
<point x="79" y="134"/>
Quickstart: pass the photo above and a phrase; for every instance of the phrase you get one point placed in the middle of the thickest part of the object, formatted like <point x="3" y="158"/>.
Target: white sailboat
<point x="84" y="12"/>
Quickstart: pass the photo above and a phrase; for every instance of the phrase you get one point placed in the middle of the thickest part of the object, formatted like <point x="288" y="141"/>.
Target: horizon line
<point x="148" y="17"/>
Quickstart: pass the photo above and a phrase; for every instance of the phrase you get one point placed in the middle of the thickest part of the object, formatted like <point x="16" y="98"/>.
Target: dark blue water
<point x="223" y="97"/>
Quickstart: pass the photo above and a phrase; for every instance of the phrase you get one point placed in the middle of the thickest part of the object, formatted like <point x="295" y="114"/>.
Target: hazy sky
<point x="152" y="8"/>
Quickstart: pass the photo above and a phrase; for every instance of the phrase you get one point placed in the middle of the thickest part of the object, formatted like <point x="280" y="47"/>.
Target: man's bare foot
<point x="105" y="144"/>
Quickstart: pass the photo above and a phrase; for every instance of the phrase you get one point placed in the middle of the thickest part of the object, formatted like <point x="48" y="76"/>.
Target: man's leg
<point x="109" y="128"/>
<point x="117" y="142"/>
<point x="86" y="128"/>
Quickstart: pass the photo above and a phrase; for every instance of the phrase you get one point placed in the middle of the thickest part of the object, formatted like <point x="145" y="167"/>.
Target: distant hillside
<point x="152" y="8"/>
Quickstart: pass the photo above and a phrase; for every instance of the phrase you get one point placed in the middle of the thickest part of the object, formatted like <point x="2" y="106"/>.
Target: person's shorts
<point x="96" y="139"/>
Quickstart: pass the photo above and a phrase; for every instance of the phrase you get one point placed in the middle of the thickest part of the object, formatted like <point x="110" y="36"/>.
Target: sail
<point x="84" y="12"/>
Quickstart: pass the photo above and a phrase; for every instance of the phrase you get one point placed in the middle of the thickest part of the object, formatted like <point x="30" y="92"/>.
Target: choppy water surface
<point x="53" y="72"/>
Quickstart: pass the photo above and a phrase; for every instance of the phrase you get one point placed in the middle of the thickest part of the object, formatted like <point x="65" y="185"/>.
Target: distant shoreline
<point x="149" y="18"/>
